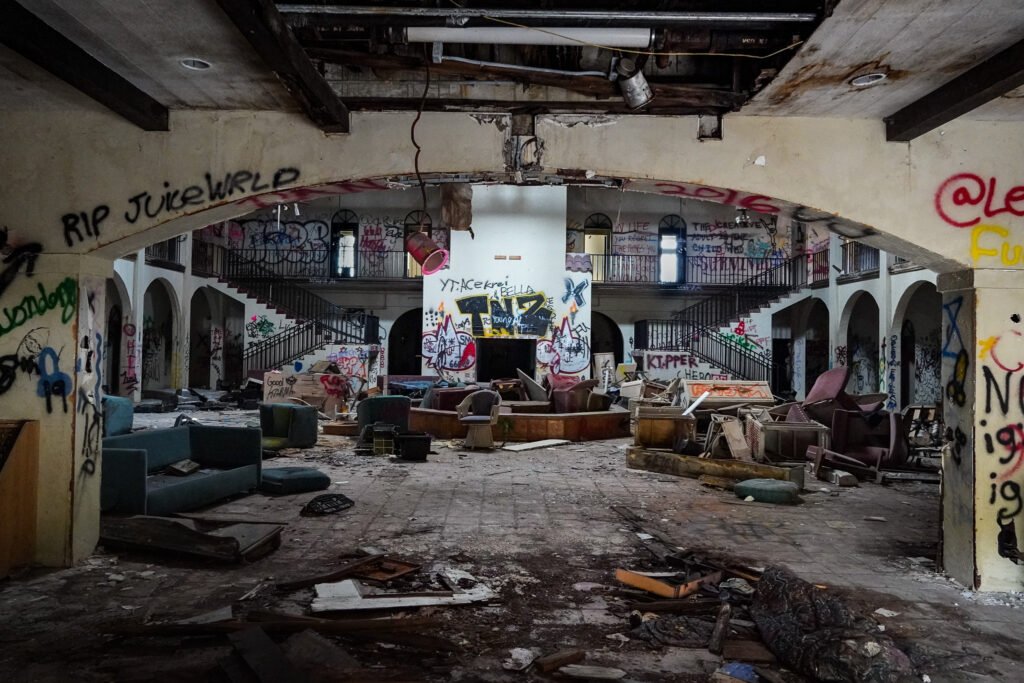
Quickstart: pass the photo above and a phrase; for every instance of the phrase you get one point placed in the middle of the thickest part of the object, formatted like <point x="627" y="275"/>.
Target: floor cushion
<point x="768" y="490"/>
<point x="286" y="480"/>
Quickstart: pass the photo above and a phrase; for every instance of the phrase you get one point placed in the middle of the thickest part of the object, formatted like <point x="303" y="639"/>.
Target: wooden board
<point x="689" y="466"/>
<point x="734" y="437"/>
<point x="19" y="483"/>
<point x="533" y="445"/>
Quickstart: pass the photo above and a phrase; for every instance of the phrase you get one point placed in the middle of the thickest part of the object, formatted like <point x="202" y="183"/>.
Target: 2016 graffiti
<point x="962" y="200"/>
<point x="448" y="348"/>
<point x="525" y="315"/>
<point x="305" y="194"/>
<point x="170" y="200"/>
<point x="566" y="353"/>
<point x="64" y="296"/>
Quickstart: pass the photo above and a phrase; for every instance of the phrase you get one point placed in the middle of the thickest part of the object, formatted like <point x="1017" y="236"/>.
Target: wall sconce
<point x="426" y="252"/>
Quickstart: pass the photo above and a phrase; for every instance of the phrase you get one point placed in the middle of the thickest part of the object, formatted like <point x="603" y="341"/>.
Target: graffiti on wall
<point x="568" y="350"/>
<point x="967" y="200"/>
<point x="953" y="347"/>
<point x="78" y="225"/>
<point x="130" y="373"/>
<point x="752" y="202"/>
<point x="448" y="348"/>
<point x="89" y="372"/>
<point x="260" y="327"/>
<point x="523" y="315"/>
<point x="665" y="364"/>
<point x="927" y="378"/>
<point x="890" y="379"/>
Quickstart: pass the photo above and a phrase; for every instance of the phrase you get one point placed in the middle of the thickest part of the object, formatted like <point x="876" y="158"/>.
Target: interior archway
<point x="404" y="343"/>
<point x="159" y="322"/>
<point x="862" y="343"/>
<point x="200" y="333"/>
<point x="919" y="319"/>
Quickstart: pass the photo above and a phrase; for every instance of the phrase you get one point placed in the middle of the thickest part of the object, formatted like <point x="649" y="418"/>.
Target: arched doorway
<point x="113" y="342"/>
<point x="920" y="345"/>
<point x="862" y="345"/>
<point x="201" y="333"/>
<point x="605" y="336"/>
<point x="816" y="343"/>
<point x="159" y="317"/>
<point x="404" y="340"/>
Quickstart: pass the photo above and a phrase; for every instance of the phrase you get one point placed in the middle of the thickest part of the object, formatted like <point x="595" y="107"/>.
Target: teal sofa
<point x="230" y="459"/>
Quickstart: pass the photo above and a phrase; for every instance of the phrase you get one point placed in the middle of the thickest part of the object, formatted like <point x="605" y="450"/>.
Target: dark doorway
<point x="500" y="358"/>
<point x="113" y="350"/>
<point x="672" y="250"/>
<point x="781" y="382"/>
<point x="908" y="342"/>
<point x="605" y="336"/>
<point x="404" y="344"/>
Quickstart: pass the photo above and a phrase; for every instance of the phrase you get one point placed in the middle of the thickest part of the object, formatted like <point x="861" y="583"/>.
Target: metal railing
<point x="167" y="250"/>
<point x="859" y="258"/>
<point x="698" y="270"/>
<point x="319" y="321"/>
<point x="705" y="343"/>
<point x="295" y="264"/>
<point x="818" y="268"/>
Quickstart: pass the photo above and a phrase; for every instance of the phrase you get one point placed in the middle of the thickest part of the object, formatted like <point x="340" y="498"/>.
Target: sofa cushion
<point x="286" y="480"/>
<point x="163" y="446"/>
<point x="168" y="494"/>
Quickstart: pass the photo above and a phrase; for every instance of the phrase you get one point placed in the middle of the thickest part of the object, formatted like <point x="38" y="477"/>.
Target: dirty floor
<point x="538" y="527"/>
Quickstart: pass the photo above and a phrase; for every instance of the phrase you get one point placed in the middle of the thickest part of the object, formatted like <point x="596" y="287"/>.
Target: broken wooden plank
<point x="549" y="663"/>
<point x="721" y="629"/>
<point x="349" y="595"/>
<point x="724" y="483"/>
<point x="734" y="438"/>
<point x="342" y="572"/>
<point x="690" y="466"/>
<point x="264" y="657"/>
<point x="652" y="583"/>
<point x="533" y="445"/>
<point x="233" y="543"/>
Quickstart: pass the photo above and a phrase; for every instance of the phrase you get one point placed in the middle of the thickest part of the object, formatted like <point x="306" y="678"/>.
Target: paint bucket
<point x="426" y="252"/>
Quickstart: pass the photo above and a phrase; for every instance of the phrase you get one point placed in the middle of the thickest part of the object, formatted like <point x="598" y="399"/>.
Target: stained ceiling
<point x="933" y="60"/>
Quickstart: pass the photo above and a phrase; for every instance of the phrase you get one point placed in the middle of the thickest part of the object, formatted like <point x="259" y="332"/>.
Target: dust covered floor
<point x="538" y="528"/>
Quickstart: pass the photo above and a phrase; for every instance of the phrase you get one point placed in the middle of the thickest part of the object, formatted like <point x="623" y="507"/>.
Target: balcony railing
<point x="166" y="251"/>
<point x="626" y="269"/>
<point x="297" y="264"/>
<point x="859" y="259"/>
<point x="818" y="268"/>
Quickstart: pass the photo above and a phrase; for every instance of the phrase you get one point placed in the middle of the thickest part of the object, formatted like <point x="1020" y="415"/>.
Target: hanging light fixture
<point x="425" y="252"/>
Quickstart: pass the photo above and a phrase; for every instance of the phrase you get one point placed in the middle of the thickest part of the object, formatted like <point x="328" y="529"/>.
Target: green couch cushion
<point x="768" y="491"/>
<point x="282" y="420"/>
<point x="286" y="480"/>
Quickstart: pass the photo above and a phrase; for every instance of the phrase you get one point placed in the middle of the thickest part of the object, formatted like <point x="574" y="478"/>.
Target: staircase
<point x="695" y="329"/>
<point x="318" y="321"/>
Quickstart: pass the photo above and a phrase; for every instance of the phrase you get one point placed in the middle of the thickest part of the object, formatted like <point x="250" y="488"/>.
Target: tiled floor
<point x="536" y="523"/>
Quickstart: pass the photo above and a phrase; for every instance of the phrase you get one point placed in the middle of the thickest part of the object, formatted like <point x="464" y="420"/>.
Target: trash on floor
<point x="227" y="543"/>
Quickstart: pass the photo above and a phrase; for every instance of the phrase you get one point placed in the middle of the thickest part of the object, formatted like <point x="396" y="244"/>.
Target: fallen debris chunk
<point x="875" y="519"/>
<point x="841" y="478"/>
<point x="351" y="595"/>
<point x="533" y="445"/>
<point x="312" y="652"/>
<point x="232" y="543"/>
<point x="211" y="617"/>
<point x="326" y="504"/>
<point x="676" y="631"/>
<point x="599" y="673"/>
<point x="747" y="651"/>
<point x="738" y="586"/>
<point x="717" y="482"/>
<point x="343" y="572"/>
<point x="561" y="658"/>
<point x="520" y="658"/>
<point x="691" y="466"/>
<point x="883" y="612"/>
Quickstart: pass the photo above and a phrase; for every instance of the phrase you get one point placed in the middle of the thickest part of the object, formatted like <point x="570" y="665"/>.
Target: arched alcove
<point x="404" y="343"/>
<point x="159" y="325"/>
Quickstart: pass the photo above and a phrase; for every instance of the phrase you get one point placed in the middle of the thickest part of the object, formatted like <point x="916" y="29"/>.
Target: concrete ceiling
<point x="920" y="44"/>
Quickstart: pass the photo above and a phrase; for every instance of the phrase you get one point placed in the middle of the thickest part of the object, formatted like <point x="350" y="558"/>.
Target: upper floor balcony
<point x="859" y="262"/>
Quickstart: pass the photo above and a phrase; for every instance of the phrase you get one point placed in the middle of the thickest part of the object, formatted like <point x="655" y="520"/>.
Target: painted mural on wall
<point x="863" y="360"/>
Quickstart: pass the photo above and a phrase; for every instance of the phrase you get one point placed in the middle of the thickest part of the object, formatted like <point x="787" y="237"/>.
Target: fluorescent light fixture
<point x="865" y="80"/>
<point x="195" y="64"/>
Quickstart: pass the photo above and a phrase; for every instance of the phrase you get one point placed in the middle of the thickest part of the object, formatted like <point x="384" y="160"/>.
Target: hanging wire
<point x="412" y="135"/>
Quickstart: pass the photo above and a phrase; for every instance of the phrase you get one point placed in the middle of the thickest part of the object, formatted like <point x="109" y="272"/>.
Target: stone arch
<point x="160" y="328"/>
<point x="860" y="334"/>
<point x="202" y="321"/>
<point x="118" y="368"/>
<point x="605" y="336"/>
<point x="917" y="327"/>
<point x="812" y="346"/>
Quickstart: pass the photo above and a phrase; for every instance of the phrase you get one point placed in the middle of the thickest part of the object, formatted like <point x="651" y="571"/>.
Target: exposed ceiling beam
<point x="706" y="99"/>
<point x="35" y="40"/>
<point x="986" y="81"/>
<point x="659" y="107"/>
<point x="265" y="29"/>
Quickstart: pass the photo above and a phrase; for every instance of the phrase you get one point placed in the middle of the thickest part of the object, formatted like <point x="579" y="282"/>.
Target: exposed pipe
<point x="510" y="35"/>
<point x="527" y="69"/>
<point x="457" y="14"/>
